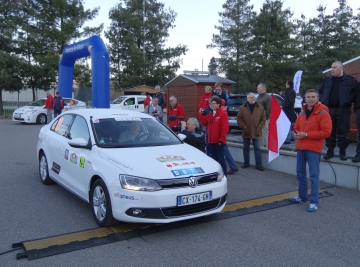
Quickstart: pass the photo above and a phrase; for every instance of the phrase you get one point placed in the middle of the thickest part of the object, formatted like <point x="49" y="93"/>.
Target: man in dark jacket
<point x="357" y="112"/>
<point x="288" y="107"/>
<point x="58" y="104"/>
<point x="338" y="92"/>
<point x="194" y="136"/>
<point x="160" y="96"/>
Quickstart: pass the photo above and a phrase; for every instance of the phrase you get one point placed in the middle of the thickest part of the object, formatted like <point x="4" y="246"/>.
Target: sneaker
<point x="233" y="170"/>
<point x="312" y="208"/>
<point x="357" y="158"/>
<point x="296" y="200"/>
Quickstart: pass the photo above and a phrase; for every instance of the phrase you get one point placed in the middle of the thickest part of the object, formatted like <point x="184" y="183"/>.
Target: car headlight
<point x="31" y="111"/>
<point x="138" y="184"/>
<point x="221" y="175"/>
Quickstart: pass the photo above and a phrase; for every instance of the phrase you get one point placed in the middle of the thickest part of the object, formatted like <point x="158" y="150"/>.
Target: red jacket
<point x="217" y="126"/>
<point x="177" y="111"/>
<point x="204" y="101"/>
<point x="146" y="102"/>
<point x="318" y="127"/>
<point x="49" y="102"/>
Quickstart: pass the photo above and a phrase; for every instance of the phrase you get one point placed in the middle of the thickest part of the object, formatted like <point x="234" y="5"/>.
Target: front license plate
<point x="194" y="198"/>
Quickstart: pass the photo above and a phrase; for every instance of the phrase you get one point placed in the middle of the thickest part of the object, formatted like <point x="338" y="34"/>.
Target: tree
<point x="275" y="53"/>
<point x="137" y="36"/>
<point x="232" y="42"/>
<point x="45" y="27"/>
<point x="213" y="66"/>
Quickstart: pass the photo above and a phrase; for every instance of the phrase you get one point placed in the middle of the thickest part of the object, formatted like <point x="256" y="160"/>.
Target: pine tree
<point x="233" y="40"/>
<point x="137" y="36"/>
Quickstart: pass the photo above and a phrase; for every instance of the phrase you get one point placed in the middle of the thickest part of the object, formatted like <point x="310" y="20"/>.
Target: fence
<point x="9" y="108"/>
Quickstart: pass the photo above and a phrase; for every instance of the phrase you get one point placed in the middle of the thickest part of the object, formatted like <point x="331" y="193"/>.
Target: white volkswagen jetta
<point x="35" y="112"/>
<point x="129" y="167"/>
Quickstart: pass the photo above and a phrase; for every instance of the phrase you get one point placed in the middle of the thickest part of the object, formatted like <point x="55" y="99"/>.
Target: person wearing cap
<point x="49" y="106"/>
<point x="58" y="104"/>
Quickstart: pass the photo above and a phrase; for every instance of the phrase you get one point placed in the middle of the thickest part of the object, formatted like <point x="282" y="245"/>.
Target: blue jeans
<point x="313" y="160"/>
<point x="230" y="160"/>
<point x="246" y="151"/>
<point x="217" y="153"/>
<point x="290" y="137"/>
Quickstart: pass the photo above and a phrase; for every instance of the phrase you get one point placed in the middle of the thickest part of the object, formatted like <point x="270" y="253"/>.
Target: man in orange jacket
<point x="311" y="128"/>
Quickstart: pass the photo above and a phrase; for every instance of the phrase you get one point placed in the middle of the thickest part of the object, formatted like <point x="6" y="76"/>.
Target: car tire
<point x="101" y="204"/>
<point x="44" y="170"/>
<point x="41" y="119"/>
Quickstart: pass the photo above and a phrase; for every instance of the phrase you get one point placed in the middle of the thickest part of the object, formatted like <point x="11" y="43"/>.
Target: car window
<point x="37" y="103"/>
<point x="279" y="100"/>
<point x="236" y="101"/>
<point x="132" y="132"/>
<point x="66" y="101"/>
<point x="119" y="100"/>
<point x="130" y="101"/>
<point x="61" y="125"/>
<point x="141" y="100"/>
<point x="79" y="129"/>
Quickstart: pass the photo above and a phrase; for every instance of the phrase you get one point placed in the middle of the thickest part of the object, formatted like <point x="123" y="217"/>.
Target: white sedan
<point x="35" y="112"/>
<point x="129" y="167"/>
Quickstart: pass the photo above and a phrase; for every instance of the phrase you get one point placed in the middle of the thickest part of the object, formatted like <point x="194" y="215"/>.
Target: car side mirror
<point x="78" y="143"/>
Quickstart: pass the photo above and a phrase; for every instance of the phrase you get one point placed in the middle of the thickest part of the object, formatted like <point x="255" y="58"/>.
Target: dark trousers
<point x="357" y="112"/>
<point x="340" y="118"/>
<point x="217" y="153"/>
<point x="57" y="112"/>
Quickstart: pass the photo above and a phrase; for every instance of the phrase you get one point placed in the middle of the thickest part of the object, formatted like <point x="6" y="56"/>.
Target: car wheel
<point x="41" y="119"/>
<point x="44" y="170"/>
<point x="101" y="204"/>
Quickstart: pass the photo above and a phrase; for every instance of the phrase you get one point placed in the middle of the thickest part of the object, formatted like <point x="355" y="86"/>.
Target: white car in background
<point x="35" y="112"/>
<point x="129" y="102"/>
<point x="129" y="167"/>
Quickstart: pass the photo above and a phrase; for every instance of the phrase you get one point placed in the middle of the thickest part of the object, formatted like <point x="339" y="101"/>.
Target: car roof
<point x="102" y="113"/>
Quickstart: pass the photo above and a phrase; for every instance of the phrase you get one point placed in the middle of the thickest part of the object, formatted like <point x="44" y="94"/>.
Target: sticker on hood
<point x="170" y="158"/>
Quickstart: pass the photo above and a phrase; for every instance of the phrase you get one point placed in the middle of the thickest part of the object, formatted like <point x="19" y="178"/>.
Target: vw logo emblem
<point x="193" y="182"/>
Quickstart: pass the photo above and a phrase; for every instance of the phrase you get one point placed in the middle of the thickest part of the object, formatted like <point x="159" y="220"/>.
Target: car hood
<point x="163" y="162"/>
<point x="28" y="108"/>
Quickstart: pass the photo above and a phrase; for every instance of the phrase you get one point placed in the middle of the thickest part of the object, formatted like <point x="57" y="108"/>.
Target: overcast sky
<point x="196" y="19"/>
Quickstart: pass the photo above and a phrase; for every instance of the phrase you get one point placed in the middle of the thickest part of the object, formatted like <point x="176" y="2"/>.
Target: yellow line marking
<point x="128" y="227"/>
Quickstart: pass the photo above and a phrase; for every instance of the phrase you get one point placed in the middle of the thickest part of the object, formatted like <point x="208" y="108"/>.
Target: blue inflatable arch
<point x="94" y="47"/>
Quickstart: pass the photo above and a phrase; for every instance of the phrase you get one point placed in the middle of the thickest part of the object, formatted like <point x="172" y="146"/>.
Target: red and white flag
<point x="279" y="127"/>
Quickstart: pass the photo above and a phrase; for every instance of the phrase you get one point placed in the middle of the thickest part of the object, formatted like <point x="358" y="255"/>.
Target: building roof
<point x="347" y="62"/>
<point x="202" y="77"/>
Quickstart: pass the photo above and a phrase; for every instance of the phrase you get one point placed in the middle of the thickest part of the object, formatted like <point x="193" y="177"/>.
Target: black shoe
<point x="260" y="168"/>
<point x="233" y="170"/>
<point x="357" y="158"/>
<point x="245" y="166"/>
<point x="329" y="154"/>
<point x="342" y="154"/>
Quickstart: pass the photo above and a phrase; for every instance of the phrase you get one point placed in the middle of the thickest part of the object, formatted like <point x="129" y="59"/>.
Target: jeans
<point x="49" y="115"/>
<point x="57" y="112"/>
<point x="290" y="137"/>
<point x="208" y="149"/>
<point x="313" y="160"/>
<point x="264" y="134"/>
<point x="340" y="118"/>
<point x="217" y="153"/>
<point x="228" y="157"/>
<point x="246" y="151"/>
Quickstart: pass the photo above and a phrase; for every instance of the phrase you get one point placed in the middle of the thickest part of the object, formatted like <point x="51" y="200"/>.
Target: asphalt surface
<point x="286" y="236"/>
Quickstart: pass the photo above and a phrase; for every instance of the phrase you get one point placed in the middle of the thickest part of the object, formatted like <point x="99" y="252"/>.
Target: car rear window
<point x="236" y="101"/>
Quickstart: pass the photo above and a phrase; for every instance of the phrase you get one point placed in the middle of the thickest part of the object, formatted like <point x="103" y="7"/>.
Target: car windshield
<point x="236" y="101"/>
<point x="132" y="132"/>
<point x="119" y="100"/>
<point x="37" y="103"/>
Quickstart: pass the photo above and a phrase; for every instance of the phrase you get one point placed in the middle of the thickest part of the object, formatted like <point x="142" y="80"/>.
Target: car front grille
<point x="184" y="182"/>
<point x="193" y="209"/>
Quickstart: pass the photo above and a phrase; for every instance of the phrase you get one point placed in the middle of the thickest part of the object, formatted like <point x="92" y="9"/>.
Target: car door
<point x="130" y="103"/>
<point x="55" y="140"/>
<point x="75" y="160"/>
<point x="140" y="103"/>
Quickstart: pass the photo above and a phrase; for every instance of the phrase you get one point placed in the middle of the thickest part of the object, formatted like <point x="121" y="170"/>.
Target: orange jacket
<point x="318" y="127"/>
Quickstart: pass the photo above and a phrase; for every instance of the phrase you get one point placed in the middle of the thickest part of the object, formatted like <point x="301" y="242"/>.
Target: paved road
<point x="286" y="236"/>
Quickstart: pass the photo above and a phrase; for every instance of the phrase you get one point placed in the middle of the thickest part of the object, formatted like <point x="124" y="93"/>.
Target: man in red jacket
<point x="217" y="123"/>
<point x="147" y="100"/>
<point x="311" y="128"/>
<point x="49" y="106"/>
<point x="176" y="112"/>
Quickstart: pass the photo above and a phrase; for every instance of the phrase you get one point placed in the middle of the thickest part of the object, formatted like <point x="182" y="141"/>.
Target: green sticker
<point x="82" y="162"/>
